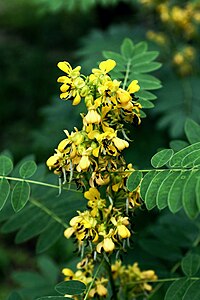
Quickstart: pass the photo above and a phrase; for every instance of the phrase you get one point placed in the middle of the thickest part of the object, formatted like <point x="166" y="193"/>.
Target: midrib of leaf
<point x="127" y="73"/>
<point x="48" y="212"/>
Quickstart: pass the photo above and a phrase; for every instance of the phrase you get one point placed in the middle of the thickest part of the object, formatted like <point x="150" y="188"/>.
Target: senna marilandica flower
<point x="92" y="158"/>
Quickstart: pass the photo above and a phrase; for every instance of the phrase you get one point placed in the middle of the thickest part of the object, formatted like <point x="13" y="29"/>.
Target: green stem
<point x="112" y="283"/>
<point x="48" y="212"/>
<point x="157" y="170"/>
<point x="161" y="280"/>
<point x="93" y="280"/>
<point x="127" y="74"/>
<point x="39" y="183"/>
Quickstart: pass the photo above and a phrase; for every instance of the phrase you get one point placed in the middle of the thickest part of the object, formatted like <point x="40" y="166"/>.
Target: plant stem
<point x="39" y="183"/>
<point x="127" y="74"/>
<point x="162" y="280"/>
<point x="112" y="283"/>
<point x="94" y="277"/>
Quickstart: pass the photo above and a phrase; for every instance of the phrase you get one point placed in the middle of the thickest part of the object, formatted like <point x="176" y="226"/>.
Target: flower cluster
<point x="92" y="159"/>
<point x="185" y="18"/>
<point x="96" y="149"/>
<point x="129" y="280"/>
<point x="137" y="280"/>
<point x="84" y="273"/>
<point x="180" y="24"/>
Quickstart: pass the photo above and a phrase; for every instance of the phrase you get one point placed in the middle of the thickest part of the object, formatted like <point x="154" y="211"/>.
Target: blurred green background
<point x="36" y="34"/>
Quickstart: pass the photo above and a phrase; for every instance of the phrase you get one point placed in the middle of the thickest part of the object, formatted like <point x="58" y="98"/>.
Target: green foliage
<point x="178" y="289"/>
<point x="190" y="264"/>
<point x="169" y="247"/>
<point x="39" y="282"/>
<point x="14" y="296"/>
<point x="72" y="287"/>
<point x="40" y="217"/>
<point x="4" y="191"/>
<point x="177" y="185"/>
<point x="161" y="158"/>
<point x="179" y="101"/>
<point x="53" y="298"/>
<point x="133" y="63"/>
<point x="6" y="165"/>
<point x="134" y="180"/>
<point x="27" y="169"/>
<point x="56" y="5"/>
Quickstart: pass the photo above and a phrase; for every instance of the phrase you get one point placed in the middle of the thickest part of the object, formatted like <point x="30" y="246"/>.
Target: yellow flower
<point x="83" y="164"/>
<point x="120" y="144"/>
<point x="72" y="83"/>
<point x="92" y="194"/>
<point x="66" y="67"/>
<point x="105" y="67"/>
<point x="68" y="232"/>
<point x="99" y="288"/>
<point x="53" y="161"/>
<point x="77" y="99"/>
<point x="133" y="87"/>
<point x="83" y="226"/>
<point x="123" y="97"/>
<point x="107" y="244"/>
<point x="63" y="145"/>
<point x="121" y="223"/>
<point x="92" y="117"/>
<point x="68" y="273"/>
<point x="123" y="231"/>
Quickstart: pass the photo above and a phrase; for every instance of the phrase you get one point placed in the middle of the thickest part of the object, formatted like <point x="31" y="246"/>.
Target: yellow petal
<point x="77" y="99"/>
<point x="67" y="272"/>
<point x="95" y="151"/>
<point x="120" y="144"/>
<point x="64" y="66"/>
<point x="84" y="162"/>
<point x="123" y="231"/>
<point x="64" y="79"/>
<point x="52" y="161"/>
<point x="92" y="194"/>
<point x="93" y="134"/>
<point x="108" y="245"/>
<point x="107" y="65"/>
<point x="133" y="87"/>
<point x="68" y="232"/>
<point x="63" y="145"/>
<point x="92" y="117"/>
<point x="101" y="290"/>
